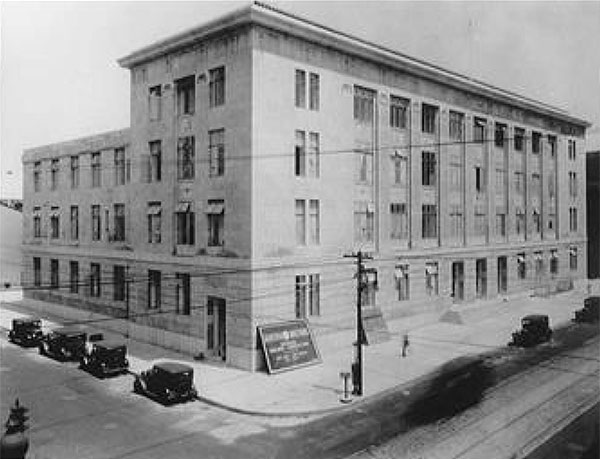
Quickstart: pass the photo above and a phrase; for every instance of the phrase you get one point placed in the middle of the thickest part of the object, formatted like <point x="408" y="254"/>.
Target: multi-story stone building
<point x="264" y="147"/>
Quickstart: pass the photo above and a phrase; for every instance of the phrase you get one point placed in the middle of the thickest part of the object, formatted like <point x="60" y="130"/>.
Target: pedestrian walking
<point x="405" y="344"/>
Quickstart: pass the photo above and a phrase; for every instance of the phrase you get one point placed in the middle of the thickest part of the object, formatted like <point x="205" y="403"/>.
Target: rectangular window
<point x="499" y="134"/>
<point x="37" y="271"/>
<point x="364" y="166"/>
<point x="456" y="126"/>
<point x="314" y="92"/>
<point x="96" y="223"/>
<point x="429" y="221"/>
<point x="456" y="176"/>
<point x="519" y="137"/>
<point x="300" y="222"/>
<point x="398" y="221"/>
<point x="54" y="222"/>
<point x="216" y="152"/>
<point x="431" y="279"/>
<point x="155" y="161"/>
<point x="54" y="275"/>
<point x="520" y="221"/>
<point x="74" y="172"/>
<point x="554" y="261"/>
<point x="119" y="222"/>
<point x="217" y="86"/>
<point x="400" y="170"/>
<point x="500" y="181"/>
<point x="573" y="219"/>
<point x="300" y="154"/>
<point x="313" y="154"/>
<point x="118" y="283"/>
<point x="539" y="264"/>
<point x="96" y="170"/>
<point x="74" y="223"/>
<point x="368" y="294"/>
<point x="572" y="150"/>
<point x="551" y="220"/>
<point x="186" y="95"/>
<point x="314" y="222"/>
<point x="73" y="277"/>
<point x="363" y="222"/>
<point x="479" y="179"/>
<point x="54" y="171"/>
<point x="154" y="284"/>
<point x="573" y="184"/>
<point x="429" y="168"/>
<point x="456" y="222"/>
<point x="536" y="142"/>
<point x="536" y="184"/>
<point x="552" y="145"/>
<point x="519" y="183"/>
<point x="119" y="166"/>
<point x="428" y="119"/>
<point x="307" y="295"/>
<point x="501" y="224"/>
<point x="216" y="222"/>
<point x="481" y="278"/>
<point x="37" y="175"/>
<point x="479" y="130"/>
<point x="401" y="276"/>
<point x="480" y="222"/>
<point x="300" y="88"/>
<point x="185" y="223"/>
<point x="155" y="102"/>
<point x="183" y="294"/>
<point x="521" y="266"/>
<point x="398" y="112"/>
<point x="185" y="158"/>
<point x="537" y="221"/>
<point x="37" y="222"/>
<point x="95" y="280"/>
<point x="364" y="104"/>
<point x="573" y="258"/>
<point x="154" y="222"/>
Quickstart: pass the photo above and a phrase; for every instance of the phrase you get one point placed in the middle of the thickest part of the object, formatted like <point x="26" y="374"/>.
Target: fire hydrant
<point x="14" y="443"/>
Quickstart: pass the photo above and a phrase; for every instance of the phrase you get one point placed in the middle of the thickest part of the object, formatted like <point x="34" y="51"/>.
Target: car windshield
<point x="111" y="351"/>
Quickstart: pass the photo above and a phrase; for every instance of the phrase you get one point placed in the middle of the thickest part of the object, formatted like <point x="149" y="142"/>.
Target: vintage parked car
<point x="590" y="311"/>
<point x="535" y="329"/>
<point x="66" y="343"/>
<point x="26" y="331"/>
<point x="167" y="382"/>
<point x="105" y="358"/>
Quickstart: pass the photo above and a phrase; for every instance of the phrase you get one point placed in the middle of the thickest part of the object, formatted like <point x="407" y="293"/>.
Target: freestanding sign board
<point x="288" y="345"/>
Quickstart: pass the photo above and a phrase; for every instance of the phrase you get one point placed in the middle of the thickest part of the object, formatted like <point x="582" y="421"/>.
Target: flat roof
<point x="265" y="15"/>
<point x="95" y="142"/>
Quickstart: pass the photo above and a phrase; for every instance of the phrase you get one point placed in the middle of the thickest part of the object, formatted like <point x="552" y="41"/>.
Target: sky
<point x="59" y="77"/>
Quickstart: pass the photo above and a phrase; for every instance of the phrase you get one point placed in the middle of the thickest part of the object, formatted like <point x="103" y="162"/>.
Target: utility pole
<point x="361" y="284"/>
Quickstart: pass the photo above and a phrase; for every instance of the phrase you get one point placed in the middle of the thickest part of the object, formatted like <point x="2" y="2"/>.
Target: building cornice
<point x="267" y="16"/>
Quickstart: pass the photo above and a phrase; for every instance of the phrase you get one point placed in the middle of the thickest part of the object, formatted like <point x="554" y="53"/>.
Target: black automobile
<point x="66" y="343"/>
<point x="26" y="331"/>
<point x="535" y="329"/>
<point x="167" y="382"/>
<point x="105" y="358"/>
<point x="590" y="312"/>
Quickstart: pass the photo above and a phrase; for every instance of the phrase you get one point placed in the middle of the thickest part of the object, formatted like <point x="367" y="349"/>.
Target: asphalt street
<point x="75" y="415"/>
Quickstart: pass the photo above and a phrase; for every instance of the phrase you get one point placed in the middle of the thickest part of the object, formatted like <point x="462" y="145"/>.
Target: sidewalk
<point x="316" y="390"/>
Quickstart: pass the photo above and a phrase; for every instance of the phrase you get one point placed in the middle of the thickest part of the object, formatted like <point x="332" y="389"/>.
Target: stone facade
<point x="267" y="147"/>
